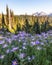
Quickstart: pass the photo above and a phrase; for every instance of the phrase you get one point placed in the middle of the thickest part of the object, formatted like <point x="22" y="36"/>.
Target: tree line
<point x="35" y="28"/>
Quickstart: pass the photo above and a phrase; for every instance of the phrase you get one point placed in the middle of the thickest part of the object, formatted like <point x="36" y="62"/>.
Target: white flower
<point x="2" y="56"/>
<point x="5" y="45"/>
<point x="42" y="43"/>
<point x="22" y="55"/>
<point x="29" y="58"/>
<point x="8" y="50"/>
<point x="24" y="44"/>
<point x="23" y="47"/>
<point x="33" y="43"/>
<point x="39" y="48"/>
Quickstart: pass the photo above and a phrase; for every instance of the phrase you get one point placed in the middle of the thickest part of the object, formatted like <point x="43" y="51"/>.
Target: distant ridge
<point x="34" y="14"/>
<point x="50" y="14"/>
<point x="40" y="14"/>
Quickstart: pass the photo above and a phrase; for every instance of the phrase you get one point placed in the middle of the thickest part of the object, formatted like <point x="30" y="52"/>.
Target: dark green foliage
<point x="7" y="15"/>
<point x="45" y="26"/>
<point x="33" y="27"/>
<point x="18" y="28"/>
<point x="3" y="22"/>
<point x="50" y="27"/>
<point x="36" y="27"/>
<point x="42" y="27"/>
<point x="9" y="58"/>
<point x="27" y="26"/>
<point x="4" y="25"/>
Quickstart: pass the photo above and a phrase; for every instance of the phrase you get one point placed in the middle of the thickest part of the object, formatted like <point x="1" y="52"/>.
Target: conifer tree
<point x="27" y="26"/>
<point x="3" y="25"/>
<point x="36" y="27"/>
<point x="3" y="22"/>
<point x="7" y="15"/>
<point x="33" y="27"/>
<point x="42" y="27"/>
<point x="46" y="27"/>
<point x="7" y="18"/>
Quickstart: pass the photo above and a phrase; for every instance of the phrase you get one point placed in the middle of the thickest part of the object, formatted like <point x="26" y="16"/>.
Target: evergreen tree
<point x="27" y="26"/>
<point x="33" y="27"/>
<point x="3" y="22"/>
<point x="42" y="27"/>
<point x="46" y="26"/>
<point x="50" y="27"/>
<point x="7" y="18"/>
<point x="3" y="25"/>
<point x="36" y="27"/>
<point x="18" y="28"/>
<point x="7" y="15"/>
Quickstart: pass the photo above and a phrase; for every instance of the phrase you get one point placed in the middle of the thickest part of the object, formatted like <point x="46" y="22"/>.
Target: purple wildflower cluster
<point x="14" y="62"/>
<point x="23" y="43"/>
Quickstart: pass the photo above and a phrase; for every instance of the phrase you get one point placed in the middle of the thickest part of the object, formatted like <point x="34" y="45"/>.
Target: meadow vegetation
<point x="25" y="39"/>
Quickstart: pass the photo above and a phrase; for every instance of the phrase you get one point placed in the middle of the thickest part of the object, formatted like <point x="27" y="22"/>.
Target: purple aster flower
<point x="33" y="43"/>
<point x="14" y="62"/>
<point x="5" y="45"/>
<point x="9" y="40"/>
<point x="22" y="55"/>
<point x="13" y="38"/>
<point x="37" y="42"/>
<point x="2" y="42"/>
<point x="14" y="49"/>
<point x="43" y="34"/>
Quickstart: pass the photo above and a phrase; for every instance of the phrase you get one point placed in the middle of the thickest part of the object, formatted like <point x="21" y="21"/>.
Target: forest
<point x="29" y="23"/>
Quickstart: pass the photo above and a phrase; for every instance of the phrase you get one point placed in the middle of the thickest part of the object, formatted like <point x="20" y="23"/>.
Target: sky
<point x="26" y="6"/>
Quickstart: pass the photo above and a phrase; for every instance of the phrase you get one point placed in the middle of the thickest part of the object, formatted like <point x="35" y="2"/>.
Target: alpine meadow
<point x="25" y="32"/>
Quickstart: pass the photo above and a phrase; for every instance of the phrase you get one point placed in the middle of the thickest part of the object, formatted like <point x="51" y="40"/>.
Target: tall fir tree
<point x="42" y="26"/>
<point x="7" y="15"/>
<point x="27" y="26"/>
<point x="3" y="25"/>
<point x="3" y="22"/>
<point x="36" y="27"/>
<point x="46" y="27"/>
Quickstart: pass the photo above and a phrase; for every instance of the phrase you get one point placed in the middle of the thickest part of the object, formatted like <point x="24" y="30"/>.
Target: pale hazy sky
<point x="26" y="6"/>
